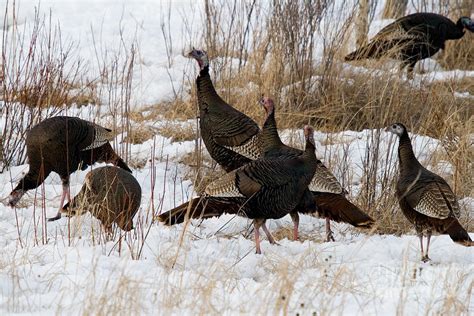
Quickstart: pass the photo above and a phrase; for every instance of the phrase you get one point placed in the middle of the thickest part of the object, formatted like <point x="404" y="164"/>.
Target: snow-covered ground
<point x="210" y="267"/>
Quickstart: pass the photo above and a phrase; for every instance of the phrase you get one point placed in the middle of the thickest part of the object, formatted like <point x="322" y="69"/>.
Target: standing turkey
<point x="111" y="194"/>
<point x="412" y="38"/>
<point x="425" y="198"/>
<point x="327" y="192"/>
<point x="64" y="144"/>
<point x="231" y="137"/>
<point x="260" y="190"/>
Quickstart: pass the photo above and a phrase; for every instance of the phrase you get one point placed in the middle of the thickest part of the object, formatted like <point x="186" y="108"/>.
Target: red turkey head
<point x="267" y="104"/>
<point x="309" y="134"/>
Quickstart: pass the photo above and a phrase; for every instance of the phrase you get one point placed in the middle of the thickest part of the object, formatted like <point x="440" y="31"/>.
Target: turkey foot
<point x="55" y="217"/>
<point x="269" y="235"/>
<point x="14" y="197"/>
<point x="329" y="235"/>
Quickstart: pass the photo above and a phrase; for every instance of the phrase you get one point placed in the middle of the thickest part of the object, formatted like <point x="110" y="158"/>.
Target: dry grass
<point x="140" y="134"/>
<point x="177" y="132"/>
<point x="178" y="109"/>
<point x="459" y="54"/>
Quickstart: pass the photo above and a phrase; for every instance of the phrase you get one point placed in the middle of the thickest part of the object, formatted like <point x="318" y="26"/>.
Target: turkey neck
<point x="459" y="30"/>
<point x="269" y="135"/>
<point x="204" y="83"/>
<point x="309" y="156"/>
<point x="406" y="157"/>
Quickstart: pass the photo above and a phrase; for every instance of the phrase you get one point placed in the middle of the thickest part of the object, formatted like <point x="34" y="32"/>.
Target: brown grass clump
<point x="177" y="132"/>
<point x="140" y="134"/>
<point x="178" y="109"/>
<point x="461" y="85"/>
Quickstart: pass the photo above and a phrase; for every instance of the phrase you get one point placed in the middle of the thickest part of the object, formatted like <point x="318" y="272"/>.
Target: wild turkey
<point x="262" y="189"/>
<point x="230" y="136"/>
<point x="111" y="194"/>
<point x="64" y="144"/>
<point x="425" y="198"/>
<point x="412" y="38"/>
<point x="327" y="192"/>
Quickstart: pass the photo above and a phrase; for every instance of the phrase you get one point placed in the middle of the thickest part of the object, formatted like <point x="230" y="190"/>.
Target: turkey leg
<point x="329" y="235"/>
<point x="425" y="257"/>
<point x="269" y="235"/>
<point x="296" y="221"/>
<point x="257" y="223"/>
<point x="66" y="192"/>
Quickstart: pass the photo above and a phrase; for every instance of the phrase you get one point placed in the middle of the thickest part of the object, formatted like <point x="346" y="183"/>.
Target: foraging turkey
<point x="260" y="190"/>
<point x="412" y="38"/>
<point x="230" y="136"/>
<point x="111" y="194"/>
<point x="327" y="192"/>
<point x="64" y="144"/>
<point x="425" y="198"/>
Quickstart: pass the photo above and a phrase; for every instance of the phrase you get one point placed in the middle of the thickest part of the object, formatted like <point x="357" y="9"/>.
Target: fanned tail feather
<point x="458" y="234"/>
<point x="368" y="51"/>
<point x="337" y="208"/>
<point x="377" y="49"/>
<point x="199" y="208"/>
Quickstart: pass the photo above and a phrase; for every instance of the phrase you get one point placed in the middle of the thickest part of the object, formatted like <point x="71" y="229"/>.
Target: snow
<point x="66" y="267"/>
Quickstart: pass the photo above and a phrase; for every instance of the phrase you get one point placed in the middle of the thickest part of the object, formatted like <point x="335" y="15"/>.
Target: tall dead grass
<point x="42" y="76"/>
<point x="38" y="78"/>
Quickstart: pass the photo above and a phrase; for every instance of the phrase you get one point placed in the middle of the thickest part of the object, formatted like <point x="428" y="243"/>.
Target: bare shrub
<point x="39" y="78"/>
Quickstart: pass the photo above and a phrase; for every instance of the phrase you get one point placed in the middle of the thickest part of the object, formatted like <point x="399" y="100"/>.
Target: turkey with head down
<point x="64" y="144"/>
<point x="110" y="194"/>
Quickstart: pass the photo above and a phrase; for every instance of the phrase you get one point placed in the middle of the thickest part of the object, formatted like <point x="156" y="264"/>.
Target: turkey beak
<point x="470" y="26"/>
<point x="261" y="102"/>
<point x="192" y="53"/>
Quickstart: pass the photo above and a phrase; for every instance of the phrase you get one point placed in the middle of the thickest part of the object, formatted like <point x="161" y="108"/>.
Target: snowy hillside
<point x="210" y="266"/>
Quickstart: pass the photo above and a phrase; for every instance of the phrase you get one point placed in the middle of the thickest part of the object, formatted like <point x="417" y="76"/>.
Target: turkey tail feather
<point x="458" y="234"/>
<point x="337" y="208"/>
<point x="198" y="208"/>
<point x="374" y="49"/>
<point x="361" y="53"/>
<point x="352" y="56"/>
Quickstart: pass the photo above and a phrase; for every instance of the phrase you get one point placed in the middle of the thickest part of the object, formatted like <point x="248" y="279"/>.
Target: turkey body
<point x="63" y="145"/>
<point x="412" y="38"/>
<point x="260" y="190"/>
<point x="110" y="194"/>
<point x="327" y="193"/>
<point x="425" y="198"/>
